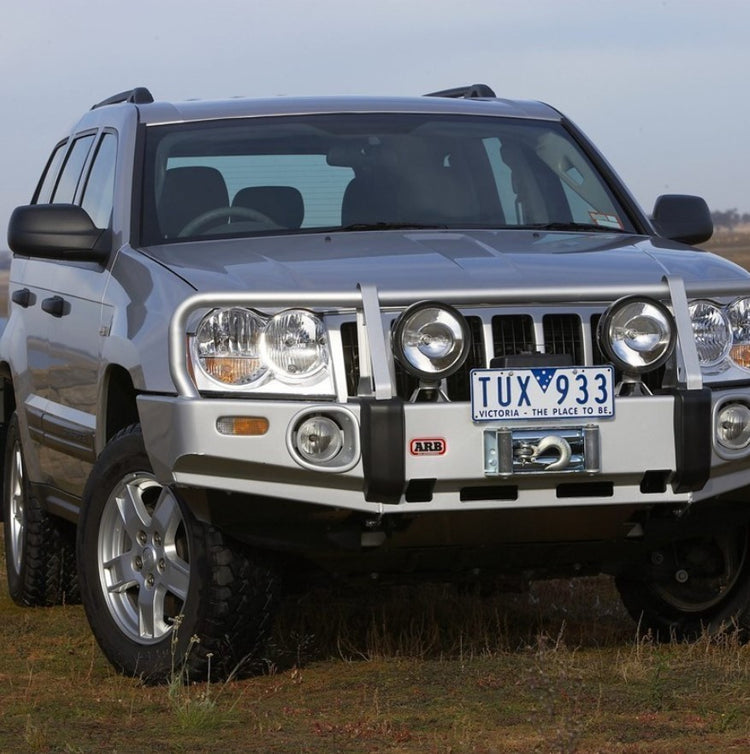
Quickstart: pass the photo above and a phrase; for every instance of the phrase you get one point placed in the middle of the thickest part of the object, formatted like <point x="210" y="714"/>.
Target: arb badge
<point x="428" y="446"/>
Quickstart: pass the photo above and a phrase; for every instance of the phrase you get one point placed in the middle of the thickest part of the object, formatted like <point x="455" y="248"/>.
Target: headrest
<point x="282" y="204"/>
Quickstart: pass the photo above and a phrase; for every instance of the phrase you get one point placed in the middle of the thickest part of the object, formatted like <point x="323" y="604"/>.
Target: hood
<point x="435" y="260"/>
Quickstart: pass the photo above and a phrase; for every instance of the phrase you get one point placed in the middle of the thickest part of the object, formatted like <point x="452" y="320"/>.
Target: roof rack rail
<point x="138" y="96"/>
<point x="473" y="91"/>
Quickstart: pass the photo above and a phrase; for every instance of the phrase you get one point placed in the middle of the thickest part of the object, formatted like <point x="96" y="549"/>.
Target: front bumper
<point x="429" y="457"/>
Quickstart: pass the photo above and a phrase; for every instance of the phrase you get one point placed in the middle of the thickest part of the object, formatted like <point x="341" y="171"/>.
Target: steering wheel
<point x="222" y="213"/>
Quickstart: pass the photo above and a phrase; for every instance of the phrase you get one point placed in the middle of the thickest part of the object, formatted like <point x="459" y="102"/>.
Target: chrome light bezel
<point x="611" y="324"/>
<point x="349" y="454"/>
<point x="449" y="321"/>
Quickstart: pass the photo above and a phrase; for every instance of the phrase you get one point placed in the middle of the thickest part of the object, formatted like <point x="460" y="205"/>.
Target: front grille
<point x="559" y="332"/>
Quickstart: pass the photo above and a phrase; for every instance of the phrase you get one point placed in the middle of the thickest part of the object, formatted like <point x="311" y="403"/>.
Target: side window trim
<point x="73" y="142"/>
<point x="90" y="166"/>
<point x="54" y="164"/>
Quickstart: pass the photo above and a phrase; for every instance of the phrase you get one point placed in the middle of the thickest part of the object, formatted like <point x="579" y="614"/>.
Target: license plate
<point x="542" y="393"/>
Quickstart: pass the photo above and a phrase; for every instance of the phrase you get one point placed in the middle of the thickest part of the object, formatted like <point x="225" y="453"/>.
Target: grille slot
<point x="512" y="334"/>
<point x="351" y="356"/>
<point x="562" y="334"/>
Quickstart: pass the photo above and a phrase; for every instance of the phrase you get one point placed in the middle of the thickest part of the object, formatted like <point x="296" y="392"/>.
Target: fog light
<point x="431" y="340"/>
<point x="733" y="426"/>
<point x="637" y="334"/>
<point x="319" y="439"/>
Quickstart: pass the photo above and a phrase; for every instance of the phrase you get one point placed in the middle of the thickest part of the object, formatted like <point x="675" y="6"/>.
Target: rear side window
<point x="46" y="185"/>
<point x="70" y="177"/>
<point x="97" y="197"/>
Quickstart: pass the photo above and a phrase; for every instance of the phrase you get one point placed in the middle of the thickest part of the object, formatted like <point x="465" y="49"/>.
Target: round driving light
<point x="733" y="426"/>
<point x="294" y="345"/>
<point x="226" y="346"/>
<point x="739" y="319"/>
<point x="712" y="333"/>
<point x="637" y="334"/>
<point x="431" y="340"/>
<point x="319" y="439"/>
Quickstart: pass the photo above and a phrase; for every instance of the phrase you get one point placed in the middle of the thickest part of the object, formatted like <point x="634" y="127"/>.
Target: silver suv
<point x="430" y="337"/>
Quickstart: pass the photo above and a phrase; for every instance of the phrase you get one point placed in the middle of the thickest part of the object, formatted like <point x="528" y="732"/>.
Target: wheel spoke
<point x="150" y="612"/>
<point x="167" y="515"/>
<point x="177" y="576"/>
<point x="121" y="573"/>
<point x="133" y="512"/>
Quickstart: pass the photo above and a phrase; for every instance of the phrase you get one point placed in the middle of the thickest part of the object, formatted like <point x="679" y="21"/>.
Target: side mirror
<point x="683" y="218"/>
<point x="56" y="231"/>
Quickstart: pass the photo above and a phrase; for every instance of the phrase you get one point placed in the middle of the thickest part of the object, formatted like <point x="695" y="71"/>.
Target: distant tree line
<point x="729" y="218"/>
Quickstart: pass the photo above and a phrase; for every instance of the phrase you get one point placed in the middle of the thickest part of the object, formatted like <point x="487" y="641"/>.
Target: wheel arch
<point x="119" y="405"/>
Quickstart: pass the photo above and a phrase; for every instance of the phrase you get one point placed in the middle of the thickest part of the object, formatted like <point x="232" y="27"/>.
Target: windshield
<point x="296" y="174"/>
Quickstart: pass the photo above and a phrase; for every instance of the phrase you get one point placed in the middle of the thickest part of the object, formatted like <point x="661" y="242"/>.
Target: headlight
<point x="294" y="345"/>
<point x="739" y="318"/>
<point x="431" y="340"/>
<point x="712" y="332"/>
<point x="637" y="334"/>
<point x="227" y="346"/>
<point x="238" y="349"/>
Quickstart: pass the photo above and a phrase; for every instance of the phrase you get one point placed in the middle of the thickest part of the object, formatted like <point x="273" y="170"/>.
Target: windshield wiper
<point x="390" y="226"/>
<point x="573" y="226"/>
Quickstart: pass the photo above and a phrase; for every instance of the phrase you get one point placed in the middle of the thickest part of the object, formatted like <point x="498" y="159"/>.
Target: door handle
<point x="56" y="306"/>
<point x="22" y="297"/>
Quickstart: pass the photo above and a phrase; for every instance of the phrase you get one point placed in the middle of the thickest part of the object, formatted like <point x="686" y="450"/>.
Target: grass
<point x="557" y="669"/>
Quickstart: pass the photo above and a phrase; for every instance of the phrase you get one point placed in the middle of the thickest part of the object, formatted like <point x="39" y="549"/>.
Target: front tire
<point x="164" y="593"/>
<point x="693" y="586"/>
<point x="38" y="554"/>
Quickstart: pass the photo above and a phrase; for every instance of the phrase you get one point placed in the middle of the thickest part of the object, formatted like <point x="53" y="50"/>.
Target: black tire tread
<point x="46" y="555"/>
<point x="241" y="604"/>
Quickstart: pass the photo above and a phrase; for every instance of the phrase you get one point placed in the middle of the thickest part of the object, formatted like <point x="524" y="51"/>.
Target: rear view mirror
<point x="683" y="218"/>
<point x="55" y="231"/>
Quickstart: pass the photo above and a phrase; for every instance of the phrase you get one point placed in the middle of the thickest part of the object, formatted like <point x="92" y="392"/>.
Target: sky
<point x="660" y="86"/>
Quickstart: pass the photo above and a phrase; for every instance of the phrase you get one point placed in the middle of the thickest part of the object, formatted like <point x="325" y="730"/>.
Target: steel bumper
<point x="432" y="456"/>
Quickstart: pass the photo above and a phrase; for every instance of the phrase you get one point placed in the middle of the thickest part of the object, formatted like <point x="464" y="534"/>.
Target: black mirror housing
<point x="683" y="218"/>
<point x="55" y="231"/>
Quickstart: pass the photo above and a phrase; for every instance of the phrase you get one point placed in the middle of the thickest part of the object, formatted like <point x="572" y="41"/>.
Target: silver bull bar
<point x="368" y="300"/>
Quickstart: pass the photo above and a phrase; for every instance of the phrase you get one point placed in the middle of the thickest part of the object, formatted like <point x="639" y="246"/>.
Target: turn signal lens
<point x="247" y="426"/>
